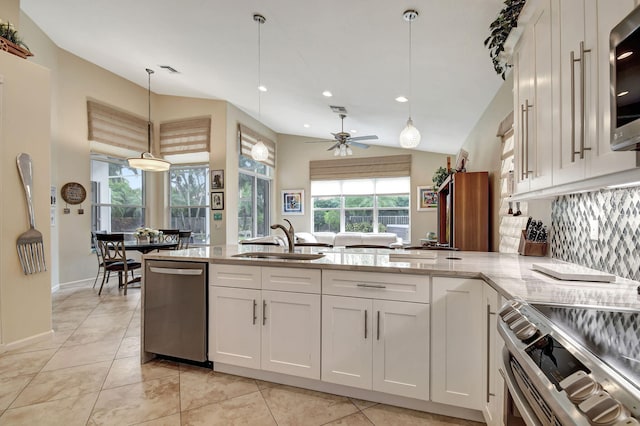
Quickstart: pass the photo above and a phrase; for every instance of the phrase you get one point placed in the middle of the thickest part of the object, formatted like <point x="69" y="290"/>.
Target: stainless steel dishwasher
<point x="175" y="309"/>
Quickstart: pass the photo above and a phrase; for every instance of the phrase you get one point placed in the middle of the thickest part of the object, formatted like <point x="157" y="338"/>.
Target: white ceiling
<point x="357" y="49"/>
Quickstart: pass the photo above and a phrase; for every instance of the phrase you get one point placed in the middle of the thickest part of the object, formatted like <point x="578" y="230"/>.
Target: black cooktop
<point x="611" y="335"/>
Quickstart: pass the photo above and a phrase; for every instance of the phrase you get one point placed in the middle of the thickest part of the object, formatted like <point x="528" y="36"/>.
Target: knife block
<point x="532" y="248"/>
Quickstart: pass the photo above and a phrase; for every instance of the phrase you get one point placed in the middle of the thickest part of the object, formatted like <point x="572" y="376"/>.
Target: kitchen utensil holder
<point x="532" y="248"/>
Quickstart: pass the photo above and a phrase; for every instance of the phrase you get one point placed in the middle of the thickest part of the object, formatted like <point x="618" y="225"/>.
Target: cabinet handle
<point x="255" y="317"/>
<point x="582" y="61"/>
<point x="527" y="107"/>
<point x="366" y="313"/>
<point x="522" y="144"/>
<point x="264" y="312"/>
<point x="371" y="285"/>
<point x="378" y="327"/>
<point x="489" y="313"/>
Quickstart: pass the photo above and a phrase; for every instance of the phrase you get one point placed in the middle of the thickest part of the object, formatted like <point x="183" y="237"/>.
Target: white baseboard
<point x="55" y="288"/>
<point x="76" y="283"/>
<point x="26" y="341"/>
<point x="364" y="394"/>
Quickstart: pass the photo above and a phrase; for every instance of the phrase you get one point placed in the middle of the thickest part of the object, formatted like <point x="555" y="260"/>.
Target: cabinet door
<point x="578" y="82"/>
<point x="456" y="342"/>
<point x="347" y="341"/>
<point x="234" y="326"/>
<point x="535" y="102"/>
<point x="291" y="333"/>
<point x="401" y="348"/>
<point x="604" y="15"/>
<point x="493" y="390"/>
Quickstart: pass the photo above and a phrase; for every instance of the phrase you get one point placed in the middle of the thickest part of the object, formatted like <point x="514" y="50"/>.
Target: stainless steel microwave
<point x="625" y="83"/>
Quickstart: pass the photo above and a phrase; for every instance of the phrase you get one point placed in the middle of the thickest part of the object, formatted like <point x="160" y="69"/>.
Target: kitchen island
<point x="417" y="330"/>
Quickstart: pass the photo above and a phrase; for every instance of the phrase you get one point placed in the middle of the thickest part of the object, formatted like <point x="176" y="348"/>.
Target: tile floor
<point x="89" y="373"/>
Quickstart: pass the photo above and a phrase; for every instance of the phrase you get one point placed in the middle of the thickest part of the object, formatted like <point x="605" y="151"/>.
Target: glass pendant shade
<point x="259" y="151"/>
<point x="410" y="136"/>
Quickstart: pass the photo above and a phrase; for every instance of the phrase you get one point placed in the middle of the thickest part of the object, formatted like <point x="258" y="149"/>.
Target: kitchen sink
<point x="267" y="255"/>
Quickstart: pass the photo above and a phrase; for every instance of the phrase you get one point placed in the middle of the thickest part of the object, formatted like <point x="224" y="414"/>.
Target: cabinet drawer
<point x="291" y="279"/>
<point x="235" y="276"/>
<point x="408" y="288"/>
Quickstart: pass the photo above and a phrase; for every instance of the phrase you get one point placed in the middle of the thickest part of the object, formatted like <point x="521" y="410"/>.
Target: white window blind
<point x="248" y="138"/>
<point x="115" y="127"/>
<point x="185" y="136"/>
<point x="354" y="168"/>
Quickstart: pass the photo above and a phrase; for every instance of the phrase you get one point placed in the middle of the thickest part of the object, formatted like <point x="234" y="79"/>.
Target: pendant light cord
<point x="410" y="73"/>
<point x="149" y="72"/>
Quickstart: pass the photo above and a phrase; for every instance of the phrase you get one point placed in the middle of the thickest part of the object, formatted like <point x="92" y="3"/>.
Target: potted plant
<point x="11" y="42"/>
<point x="440" y="176"/>
<point x="500" y="28"/>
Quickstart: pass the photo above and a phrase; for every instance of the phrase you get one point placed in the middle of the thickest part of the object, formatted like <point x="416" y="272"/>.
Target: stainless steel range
<point x="572" y="365"/>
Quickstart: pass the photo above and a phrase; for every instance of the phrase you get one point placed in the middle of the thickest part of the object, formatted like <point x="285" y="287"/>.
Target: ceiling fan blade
<point x="334" y="146"/>
<point x="362" y="138"/>
<point x="359" y="145"/>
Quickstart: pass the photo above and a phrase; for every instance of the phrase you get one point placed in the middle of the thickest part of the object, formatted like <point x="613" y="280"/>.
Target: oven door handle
<point x="527" y="413"/>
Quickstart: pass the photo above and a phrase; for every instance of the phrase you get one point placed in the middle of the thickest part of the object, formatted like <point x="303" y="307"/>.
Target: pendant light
<point x="259" y="151"/>
<point x="410" y="136"/>
<point x="147" y="161"/>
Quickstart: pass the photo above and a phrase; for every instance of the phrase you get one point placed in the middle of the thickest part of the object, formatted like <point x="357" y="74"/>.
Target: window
<point x="362" y="205"/>
<point x="189" y="201"/>
<point x="254" y="204"/>
<point x="117" y="195"/>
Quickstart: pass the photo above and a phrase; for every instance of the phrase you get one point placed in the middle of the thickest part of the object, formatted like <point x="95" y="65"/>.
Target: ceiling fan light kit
<point x="147" y="161"/>
<point x="410" y="136"/>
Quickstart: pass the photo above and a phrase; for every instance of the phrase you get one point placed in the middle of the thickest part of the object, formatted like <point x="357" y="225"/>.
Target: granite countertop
<point x="510" y="274"/>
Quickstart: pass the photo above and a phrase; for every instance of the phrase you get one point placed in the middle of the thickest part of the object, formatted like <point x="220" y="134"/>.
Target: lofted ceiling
<point x="357" y="49"/>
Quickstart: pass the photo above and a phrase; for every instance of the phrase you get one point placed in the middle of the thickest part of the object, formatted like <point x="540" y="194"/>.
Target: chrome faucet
<point x="290" y="233"/>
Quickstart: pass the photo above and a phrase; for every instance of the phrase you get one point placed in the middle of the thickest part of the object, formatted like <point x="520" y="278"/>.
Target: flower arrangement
<point x="8" y="31"/>
<point x="146" y="233"/>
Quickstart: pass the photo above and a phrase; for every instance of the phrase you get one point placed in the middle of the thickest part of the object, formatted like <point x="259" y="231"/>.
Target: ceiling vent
<point x="169" y="68"/>
<point x="338" y="109"/>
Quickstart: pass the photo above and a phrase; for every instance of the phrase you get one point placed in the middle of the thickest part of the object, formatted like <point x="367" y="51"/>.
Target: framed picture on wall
<point x="427" y="198"/>
<point x="293" y="201"/>
<point x="217" y="179"/>
<point x="217" y="201"/>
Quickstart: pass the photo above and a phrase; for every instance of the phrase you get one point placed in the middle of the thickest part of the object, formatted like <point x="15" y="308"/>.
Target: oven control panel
<point x="576" y="387"/>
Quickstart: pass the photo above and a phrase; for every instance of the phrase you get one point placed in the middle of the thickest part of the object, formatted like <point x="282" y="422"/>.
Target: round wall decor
<point x="73" y="193"/>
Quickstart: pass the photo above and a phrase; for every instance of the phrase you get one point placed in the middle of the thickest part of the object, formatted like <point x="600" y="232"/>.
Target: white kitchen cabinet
<point x="493" y="404"/>
<point x="457" y="345"/>
<point x="234" y="326"/>
<point x="533" y="114"/>
<point x="375" y="332"/>
<point x="583" y="150"/>
<point x="265" y="329"/>
<point x="346" y="341"/>
<point x="401" y="348"/>
<point x="291" y="333"/>
<point x="376" y="344"/>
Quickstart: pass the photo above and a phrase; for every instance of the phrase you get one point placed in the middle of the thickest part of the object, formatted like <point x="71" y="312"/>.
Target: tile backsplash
<point x="617" y="249"/>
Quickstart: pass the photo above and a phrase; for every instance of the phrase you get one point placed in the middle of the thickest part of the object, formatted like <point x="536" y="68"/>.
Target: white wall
<point x="293" y="156"/>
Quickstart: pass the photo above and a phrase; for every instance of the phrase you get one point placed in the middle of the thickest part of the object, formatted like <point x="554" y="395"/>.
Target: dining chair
<point x="183" y="240"/>
<point x="170" y="235"/>
<point x="99" y="255"/>
<point x="115" y="260"/>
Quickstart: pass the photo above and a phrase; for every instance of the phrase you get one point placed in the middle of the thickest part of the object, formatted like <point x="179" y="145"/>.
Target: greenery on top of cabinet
<point x="500" y="28"/>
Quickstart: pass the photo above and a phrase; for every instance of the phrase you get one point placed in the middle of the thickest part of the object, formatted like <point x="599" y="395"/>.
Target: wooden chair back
<point x="184" y="238"/>
<point x="170" y="235"/>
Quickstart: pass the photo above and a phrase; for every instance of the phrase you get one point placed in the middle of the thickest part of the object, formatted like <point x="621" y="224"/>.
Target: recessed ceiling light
<point x="327" y="94"/>
<point x="625" y="92"/>
<point x="262" y="88"/>
<point x="401" y="99"/>
<point x="625" y="55"/>
<point x="353" y="131"/>
<point x="306" y="126"/>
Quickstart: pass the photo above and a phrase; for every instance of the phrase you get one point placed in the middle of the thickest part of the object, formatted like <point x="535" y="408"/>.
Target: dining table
<point x="147" y="247"/>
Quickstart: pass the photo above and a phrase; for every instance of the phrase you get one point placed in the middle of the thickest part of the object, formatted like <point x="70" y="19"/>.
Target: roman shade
<point x="248" y="138"/>
<point x="185" y="136"/>
<point x="115" y="127"/>
<point x="355" y="168"/>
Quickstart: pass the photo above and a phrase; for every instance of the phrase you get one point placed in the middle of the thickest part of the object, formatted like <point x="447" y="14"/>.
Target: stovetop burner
<point x="611" y="335"/>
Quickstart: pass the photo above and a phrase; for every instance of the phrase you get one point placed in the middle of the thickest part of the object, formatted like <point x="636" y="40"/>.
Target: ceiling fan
<point x="344" y="141"/>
